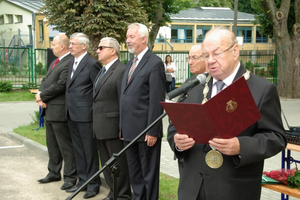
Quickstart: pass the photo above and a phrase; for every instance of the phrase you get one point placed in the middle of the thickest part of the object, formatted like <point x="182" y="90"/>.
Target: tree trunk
<point x="287" y="48"/>
<point x="94" y="42"/>
<point x="155" y="26"/>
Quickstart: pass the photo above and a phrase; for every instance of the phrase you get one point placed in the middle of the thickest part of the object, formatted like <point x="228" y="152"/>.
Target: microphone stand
<point x="111" y="163"/>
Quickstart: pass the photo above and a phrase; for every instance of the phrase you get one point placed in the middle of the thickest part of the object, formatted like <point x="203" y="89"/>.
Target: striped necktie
<point x="132" y="68"/>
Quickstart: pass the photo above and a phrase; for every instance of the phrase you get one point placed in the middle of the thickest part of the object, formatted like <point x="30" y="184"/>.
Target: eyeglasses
<point x="73" y="44"/>
<point x="192" y="58"/>
<point x="102" y="47"/>
<point x="218" y="55"/>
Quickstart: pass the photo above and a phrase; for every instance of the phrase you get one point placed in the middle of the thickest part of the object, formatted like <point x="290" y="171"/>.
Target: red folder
<point x="225" y="115"/>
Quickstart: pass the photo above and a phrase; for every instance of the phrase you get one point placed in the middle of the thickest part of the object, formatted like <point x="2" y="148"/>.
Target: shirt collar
<point x="110" y="63"/>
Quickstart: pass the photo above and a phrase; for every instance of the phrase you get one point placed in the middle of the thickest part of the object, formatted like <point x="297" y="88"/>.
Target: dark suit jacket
<point x="53" y="88"/>
<point x="141" y="97"/>
<point x="106" y="102"/>
<point x="238" y="178"/>
<point x="79" y="91"/>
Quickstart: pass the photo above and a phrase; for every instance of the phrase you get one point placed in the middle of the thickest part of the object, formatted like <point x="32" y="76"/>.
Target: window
<point x="41" y="29"/>
<point x="182" y="34"/>
<point x="18" y="19"/>
<point x="246" y="32"/>
<point x="260" y="38"/>
<point x="9" y="19"/>
<point x="1" y="19"/>
<point x="201" y="31"/>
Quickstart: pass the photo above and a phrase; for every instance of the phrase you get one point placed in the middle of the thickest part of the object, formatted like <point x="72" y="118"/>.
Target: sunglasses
<point x="102" y="47"/>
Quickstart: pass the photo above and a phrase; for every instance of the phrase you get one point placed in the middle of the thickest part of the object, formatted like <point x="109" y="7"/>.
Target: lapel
<point x="139" y="67"/>
<point x="107" y="74"/>
<point x="58" y="65"/>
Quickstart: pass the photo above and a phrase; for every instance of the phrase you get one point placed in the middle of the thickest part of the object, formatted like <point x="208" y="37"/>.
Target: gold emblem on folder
<point x="231" y="106"/>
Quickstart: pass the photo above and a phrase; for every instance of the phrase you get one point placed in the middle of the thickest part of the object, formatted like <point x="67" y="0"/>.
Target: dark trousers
<point x="144" y="165"/>
<point x="106" y="150"/>
<point x="60" y="148"/>
<point x="86" y="154"/>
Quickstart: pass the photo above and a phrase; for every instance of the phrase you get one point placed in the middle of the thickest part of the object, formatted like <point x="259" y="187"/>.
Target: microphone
<point x="201" y="78"/>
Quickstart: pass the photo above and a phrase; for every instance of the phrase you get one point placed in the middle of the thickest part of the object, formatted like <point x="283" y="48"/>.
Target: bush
<point x="40" y="69"/>
<point x="30" y="85"/>
<point x="5" y="86"/>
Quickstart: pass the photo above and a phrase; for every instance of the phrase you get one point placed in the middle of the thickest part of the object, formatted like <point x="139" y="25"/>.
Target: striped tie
<point x="132" y="68"/>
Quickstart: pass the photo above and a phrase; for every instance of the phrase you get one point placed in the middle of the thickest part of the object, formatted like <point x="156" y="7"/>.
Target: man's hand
<point x="37" y="97"/>
<point x="228" y="147"/>
<point x="42" y="104"/>
<point x="151" y="140"/>
<point x="183" y="142"/>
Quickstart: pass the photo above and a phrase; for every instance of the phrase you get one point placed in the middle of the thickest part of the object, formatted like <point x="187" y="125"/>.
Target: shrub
<point x="30" y="85"/>
<point x="40" y="69"/>
<point x="5" y="86"/>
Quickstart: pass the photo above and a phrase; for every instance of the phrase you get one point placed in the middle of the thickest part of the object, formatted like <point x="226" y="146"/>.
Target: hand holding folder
<point x="224" y="116"/>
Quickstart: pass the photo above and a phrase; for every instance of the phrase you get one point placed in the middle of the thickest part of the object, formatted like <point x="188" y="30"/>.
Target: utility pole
<point x="235" y="17"/>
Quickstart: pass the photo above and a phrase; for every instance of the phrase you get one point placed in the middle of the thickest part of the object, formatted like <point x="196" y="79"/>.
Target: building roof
<point x="210" y="14"/>
<point x="31" y="5"/>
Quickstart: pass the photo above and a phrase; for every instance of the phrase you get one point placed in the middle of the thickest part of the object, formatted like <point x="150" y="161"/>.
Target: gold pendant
<point x="214" y="159"/>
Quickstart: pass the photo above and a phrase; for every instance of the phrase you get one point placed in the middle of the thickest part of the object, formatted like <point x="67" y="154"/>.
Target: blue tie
<point x="100" y="76"/>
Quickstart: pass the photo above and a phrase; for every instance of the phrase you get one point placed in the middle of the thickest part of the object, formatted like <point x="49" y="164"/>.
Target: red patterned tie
<point x="57" y="60"/>
<point x="132" y="68"/>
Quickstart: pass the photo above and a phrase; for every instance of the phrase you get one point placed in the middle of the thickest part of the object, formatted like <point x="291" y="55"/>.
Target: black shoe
<point x="90" y="194"/>
<point x="67" y="185"/>
<point x="49" y="179"/>
<point x="73" y="189"/>
<point x="107" y="198"/>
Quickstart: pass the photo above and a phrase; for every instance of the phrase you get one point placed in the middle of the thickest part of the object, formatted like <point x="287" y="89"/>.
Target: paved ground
<point x="23" y="161"/>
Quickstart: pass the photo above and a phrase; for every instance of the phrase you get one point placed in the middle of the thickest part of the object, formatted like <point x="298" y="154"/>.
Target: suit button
<point x="200" y="174"/>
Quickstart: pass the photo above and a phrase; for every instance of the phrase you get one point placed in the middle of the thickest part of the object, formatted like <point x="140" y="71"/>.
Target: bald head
<point x="60" y="45"/>
<point x="221" y="52"/>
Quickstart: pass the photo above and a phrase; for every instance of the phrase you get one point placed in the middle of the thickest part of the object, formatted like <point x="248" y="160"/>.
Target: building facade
<point x="22" y="25"/>
<point x="188" y="28"/>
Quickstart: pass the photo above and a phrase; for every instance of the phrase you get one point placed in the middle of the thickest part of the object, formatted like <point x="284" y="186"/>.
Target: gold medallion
<point x="214" y="159"/>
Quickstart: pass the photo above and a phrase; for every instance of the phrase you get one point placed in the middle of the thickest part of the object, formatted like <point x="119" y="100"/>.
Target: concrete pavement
<point x="23" y="161"/>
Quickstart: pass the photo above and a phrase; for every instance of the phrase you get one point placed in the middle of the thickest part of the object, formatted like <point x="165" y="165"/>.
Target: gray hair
<point x="143" y="30"/>
<point x="112" y="42"/>
<point x="197" y="47"/>
<point x="82" y="38"/>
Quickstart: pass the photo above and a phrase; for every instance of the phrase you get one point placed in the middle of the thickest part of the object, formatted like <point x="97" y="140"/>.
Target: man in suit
<point x="83" y="70"/>
<point x="239" y="175"/>
<point x="143" y="88"/>
<point x="51" y="97"/>
<point x="107" y="90"/>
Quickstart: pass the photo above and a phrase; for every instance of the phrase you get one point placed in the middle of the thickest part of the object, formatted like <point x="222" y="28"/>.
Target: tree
<point x="96" y="18"/>
<point x="284" y="17"/>
<point x="213" y="3"/>
<point x="159" y="14"/>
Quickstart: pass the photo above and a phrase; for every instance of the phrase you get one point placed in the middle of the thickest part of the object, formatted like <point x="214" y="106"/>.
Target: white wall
<point x="12" y="29"/>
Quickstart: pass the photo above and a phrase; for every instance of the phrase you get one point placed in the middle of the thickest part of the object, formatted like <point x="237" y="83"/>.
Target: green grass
<point x="17" y="95"/>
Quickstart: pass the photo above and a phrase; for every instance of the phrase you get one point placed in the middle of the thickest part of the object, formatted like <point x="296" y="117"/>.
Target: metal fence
<point x="25" y="67"/>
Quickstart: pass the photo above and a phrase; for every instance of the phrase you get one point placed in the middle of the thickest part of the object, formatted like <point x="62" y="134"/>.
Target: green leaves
<point x="294" y="181"/>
